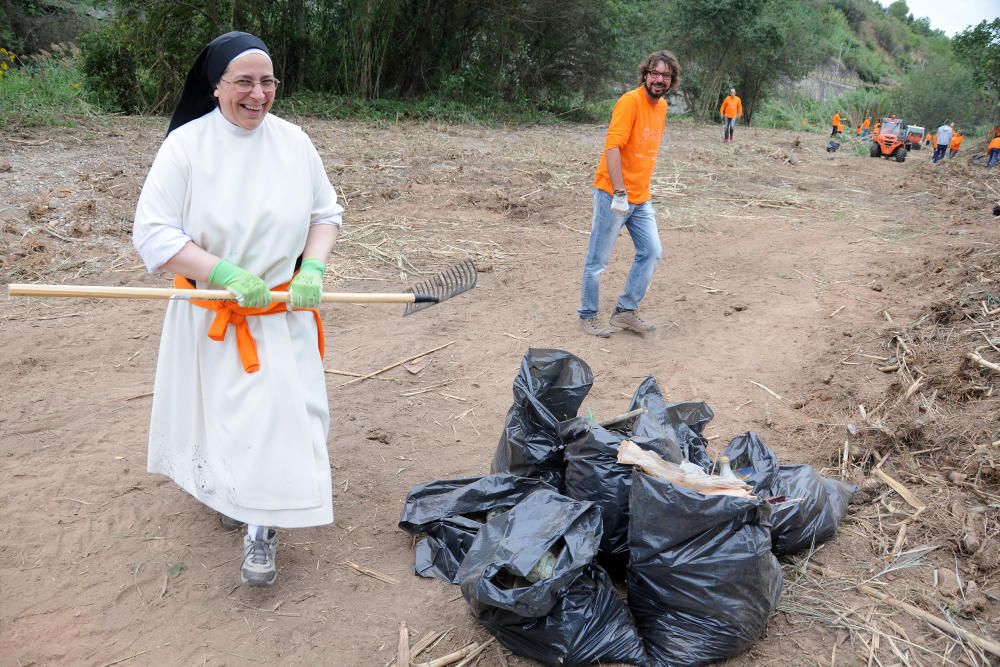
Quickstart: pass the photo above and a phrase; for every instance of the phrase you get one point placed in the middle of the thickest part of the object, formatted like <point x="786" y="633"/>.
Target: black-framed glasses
<point x="243" y="85"/>
<point x="666" y="76"/>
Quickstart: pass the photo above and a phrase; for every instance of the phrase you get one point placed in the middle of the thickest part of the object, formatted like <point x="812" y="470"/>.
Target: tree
<point x="942" y="90"/>
<point x="516" y="50"/>
<point x="708" y="35"/>
<point x="780" y="44"/>
<point x="899" y="10"/>
<point x="979" y="49"/>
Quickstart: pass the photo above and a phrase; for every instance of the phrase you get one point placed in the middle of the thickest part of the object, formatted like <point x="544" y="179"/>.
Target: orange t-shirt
<point x="636" y="129"/>
<point x="836" y="119"/>
<point x="995" y="143"/>
<point x="732" y="107"/>
<point x="956" y="142"/>
<point x="867" y="124"/>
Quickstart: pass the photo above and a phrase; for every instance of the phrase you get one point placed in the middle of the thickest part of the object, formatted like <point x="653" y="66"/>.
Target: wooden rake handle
<point x="95" y="292"/>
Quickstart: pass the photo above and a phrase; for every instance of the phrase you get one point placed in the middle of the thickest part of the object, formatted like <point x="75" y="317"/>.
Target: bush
<point x="486" y="111"/>
<point x="112" y="71"/>
<point x="47" y="89"/>
<point x="808" y="115"/>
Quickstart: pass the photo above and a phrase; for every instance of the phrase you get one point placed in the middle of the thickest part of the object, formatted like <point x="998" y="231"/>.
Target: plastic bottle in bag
<point x="725" y="470"/>
<point x="543" y="568"/>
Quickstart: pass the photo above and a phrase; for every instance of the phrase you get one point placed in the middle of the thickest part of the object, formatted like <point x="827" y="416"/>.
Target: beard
<point x="659" y="86"/>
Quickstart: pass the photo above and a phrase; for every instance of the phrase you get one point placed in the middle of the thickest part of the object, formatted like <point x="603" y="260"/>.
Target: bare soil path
<point x="783" y="265"/>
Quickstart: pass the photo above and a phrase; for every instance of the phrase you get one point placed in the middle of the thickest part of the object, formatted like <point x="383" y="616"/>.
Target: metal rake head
<point x="450" y="282"/>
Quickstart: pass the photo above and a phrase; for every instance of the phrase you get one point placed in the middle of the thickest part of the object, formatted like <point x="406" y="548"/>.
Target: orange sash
<point x="231" y="312"/>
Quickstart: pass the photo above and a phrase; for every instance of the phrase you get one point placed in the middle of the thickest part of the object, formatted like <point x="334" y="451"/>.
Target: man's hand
<point x="249" y="290"/>
<point x="307" y="287"/>
<point x="619" y="203"/>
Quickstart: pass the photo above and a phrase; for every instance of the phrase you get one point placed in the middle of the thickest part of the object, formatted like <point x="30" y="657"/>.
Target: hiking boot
<point x="629" y="319"/>
<point x="229" y="523"/>
<point x="592" y="326"/>
<point x="259" y="569"/>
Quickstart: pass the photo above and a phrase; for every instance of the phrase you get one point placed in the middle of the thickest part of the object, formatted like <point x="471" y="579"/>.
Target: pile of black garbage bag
<point x="538" y="545"/>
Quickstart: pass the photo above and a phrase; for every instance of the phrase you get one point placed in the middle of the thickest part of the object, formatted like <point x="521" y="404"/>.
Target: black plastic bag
<point x="571" y="616"/>
<point x="702" y="579"/>
<point x="654" y="429"/>
<point x="451" y="512"/>
<point x="814" y="505"/>
<point x="755" y="463"/>
<point x="813" y="519"/>
<point x="593" y="473"/>
<point x="676" y="427"/>
<point x="550" y="388"/>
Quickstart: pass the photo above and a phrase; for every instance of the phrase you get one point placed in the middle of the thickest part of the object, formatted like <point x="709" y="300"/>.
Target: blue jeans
<point x="939" y="152"/>
<point x="729" y="124"/>
<point x="993" y="157"/>
<point x="640" y="221"/>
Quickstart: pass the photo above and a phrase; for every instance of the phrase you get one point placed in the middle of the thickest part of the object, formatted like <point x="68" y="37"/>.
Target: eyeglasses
<point x="246" y="85"/>
<point x="666" y="76"/>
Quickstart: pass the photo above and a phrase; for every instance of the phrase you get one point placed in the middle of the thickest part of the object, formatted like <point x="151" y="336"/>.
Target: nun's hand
<point x="307" y="286"/>
<point x="250" y="291"/>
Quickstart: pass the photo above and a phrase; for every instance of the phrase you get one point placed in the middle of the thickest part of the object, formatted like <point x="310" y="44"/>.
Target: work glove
<point x="249" y="290"/>
<point x="307" y="287"/>
<point x="619" y="203"/>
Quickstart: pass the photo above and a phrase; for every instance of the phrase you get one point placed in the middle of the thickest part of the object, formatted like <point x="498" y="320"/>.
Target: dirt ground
<point x="790" y="277"/>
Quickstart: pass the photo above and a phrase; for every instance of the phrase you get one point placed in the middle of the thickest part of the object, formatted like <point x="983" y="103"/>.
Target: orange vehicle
<point x="914" y="135"/>
<point x="890" y="142"/>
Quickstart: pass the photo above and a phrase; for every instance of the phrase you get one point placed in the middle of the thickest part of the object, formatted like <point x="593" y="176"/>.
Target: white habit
<point x="249" y="445"/>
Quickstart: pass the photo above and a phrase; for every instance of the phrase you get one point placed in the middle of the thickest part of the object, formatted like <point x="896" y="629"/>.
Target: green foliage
<point x="113" y="77"/>
<point x="516" y="60"/>
<point x="898" y="10"/>
<point x="454" y="49"/>
<point x="942" y="90"/>
<point x="780" y="43"/>
<point x="6" y="30"/>
<point x="45" y="90"/>
<point x="979" y="49"/>
<point x="709" y="36"/>
<point x="854" y="11"/>
<point x="800" y="113"/>
<point x="441" y="109"/>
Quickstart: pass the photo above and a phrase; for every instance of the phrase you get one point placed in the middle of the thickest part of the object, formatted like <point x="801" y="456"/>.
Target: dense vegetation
<point x="511" y="59"/>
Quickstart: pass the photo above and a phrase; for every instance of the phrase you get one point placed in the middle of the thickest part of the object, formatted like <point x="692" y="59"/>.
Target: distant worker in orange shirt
<point x="866" y="127"/>
<point x="731" y="109"/>
<point x="993" y="152"/>
<point x="836" y="124"/>
<point x="928" y="139"/>
<point x="622" y="196"/>
<point x="956" y="143"/>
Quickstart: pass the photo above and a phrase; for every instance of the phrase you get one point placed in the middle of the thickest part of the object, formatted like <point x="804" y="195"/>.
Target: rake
<point x="450" y="282"/>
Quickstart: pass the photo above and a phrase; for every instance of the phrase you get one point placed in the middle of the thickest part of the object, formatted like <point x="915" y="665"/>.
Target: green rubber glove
<point x="249" y="290"/>
<point x="307" y="287"/>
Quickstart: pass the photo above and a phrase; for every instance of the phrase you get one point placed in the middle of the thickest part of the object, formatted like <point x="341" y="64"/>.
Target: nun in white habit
<point x="239" y="199"/>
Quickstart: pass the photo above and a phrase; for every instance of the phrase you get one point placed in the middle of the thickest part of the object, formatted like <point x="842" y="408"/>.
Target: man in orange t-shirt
<point x="993" y="152"/>
<point x="731" y="109"/>
<point x="622" y="198"/>
<point x="836" y="124"/>
<point x="956" y="144"/>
